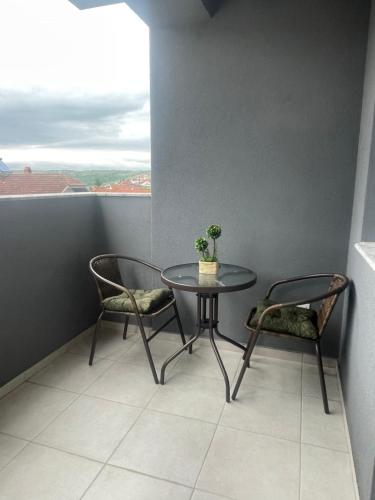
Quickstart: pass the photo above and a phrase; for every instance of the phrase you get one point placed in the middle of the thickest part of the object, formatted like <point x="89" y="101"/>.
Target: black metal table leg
<point x="188" y="345"/>
<point x="212" y="320"/>
<point x="199" y="320"/>
<point x="171" y="358"/>
<point x="204" y="323"/>
<point x="229" y="278"/>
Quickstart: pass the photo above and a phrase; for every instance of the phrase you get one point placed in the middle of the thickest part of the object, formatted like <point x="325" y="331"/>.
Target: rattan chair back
<point x="338" y="283"/>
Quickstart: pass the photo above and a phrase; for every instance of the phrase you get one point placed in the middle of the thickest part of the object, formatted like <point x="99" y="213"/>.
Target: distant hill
<point x="101" y="177"/>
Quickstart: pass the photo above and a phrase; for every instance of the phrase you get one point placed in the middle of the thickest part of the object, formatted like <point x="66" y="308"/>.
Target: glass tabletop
<point x="228" y="279"/>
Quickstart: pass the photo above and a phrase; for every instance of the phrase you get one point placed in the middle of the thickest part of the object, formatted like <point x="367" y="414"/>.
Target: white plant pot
<point x="208" y="267"/>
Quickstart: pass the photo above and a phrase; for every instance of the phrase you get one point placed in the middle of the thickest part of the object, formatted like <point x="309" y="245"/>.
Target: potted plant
<point x="208" y="263"/>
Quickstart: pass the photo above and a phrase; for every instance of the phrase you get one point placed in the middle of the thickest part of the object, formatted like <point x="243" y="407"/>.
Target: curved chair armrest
<point x="305" y="278"/>
<point x="307" y="300"/>
<point x="121" y="288"/>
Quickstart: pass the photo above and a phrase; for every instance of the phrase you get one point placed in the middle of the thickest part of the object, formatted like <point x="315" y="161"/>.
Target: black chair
<point x="287" y="319"/>
<point x="116" y="298"/>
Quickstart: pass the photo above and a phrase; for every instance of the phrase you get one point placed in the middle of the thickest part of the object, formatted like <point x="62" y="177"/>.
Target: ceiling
<point x="163" y="12"/>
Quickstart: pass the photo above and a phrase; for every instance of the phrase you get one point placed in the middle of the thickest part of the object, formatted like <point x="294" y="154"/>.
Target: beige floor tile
<point x="160" y="349"/>
<point x="269" y="352"/>
<point x="311" y="382"/>
<point x="244" y="465"/>
<point x="115" y="326"/>
<point x="320" y="429"/>
<point x="203" y="495"/>
<point x="310" y="359"/>
<point x="90" y="427"/>
<point x="165" y="446"/>
<point x="71" y="372"/>
<point x="40" y="473"/>
<point x="118" y="484"/>
<point x="26" y="411"/>
<point x="110" y="344"/>
<point x="326" y="474"/>
<point x="202" y="362"/>
<point x="129" y="384"/>
<point x="170" y="337"/>
<point x="9" y="447"/>
<point x="189" y="396"/>
<point x="221" y="343"/>
<point x="273" y="373"/>
<point x="265" y="411"/>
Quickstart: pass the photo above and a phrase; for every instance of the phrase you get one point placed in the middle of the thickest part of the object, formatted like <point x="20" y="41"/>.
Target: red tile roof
<point x="124" y="186"/>
<point x="37" y="183"/>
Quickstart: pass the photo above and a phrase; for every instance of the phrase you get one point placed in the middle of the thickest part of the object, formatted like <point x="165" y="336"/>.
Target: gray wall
<point x="368" y="228"/>
<point x="357" y="359"/>
<point x="127" y="231"/>
<point x="47" y="295"/>
<point x="357" y="366"/>
<point x="255" y="118"/>
<point x="127" y="224"/>
<point x="363" y="198"/>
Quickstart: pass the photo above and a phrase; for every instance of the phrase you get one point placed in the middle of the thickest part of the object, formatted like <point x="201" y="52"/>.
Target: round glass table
<point x="207" y="287"/>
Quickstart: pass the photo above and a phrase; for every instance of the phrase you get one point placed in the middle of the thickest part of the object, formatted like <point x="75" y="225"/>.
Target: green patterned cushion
<point x="147" y="300"/>
<point x="293" y="320"/>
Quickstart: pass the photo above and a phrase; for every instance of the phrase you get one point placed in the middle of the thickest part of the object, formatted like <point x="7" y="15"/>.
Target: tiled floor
<point x="108" y="432"/>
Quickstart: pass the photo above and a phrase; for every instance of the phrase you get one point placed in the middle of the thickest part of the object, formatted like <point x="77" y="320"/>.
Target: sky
<point x="74" y="86"/>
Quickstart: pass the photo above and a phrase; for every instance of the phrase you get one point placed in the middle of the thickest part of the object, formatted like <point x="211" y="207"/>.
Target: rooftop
<point x="29" y="182"/>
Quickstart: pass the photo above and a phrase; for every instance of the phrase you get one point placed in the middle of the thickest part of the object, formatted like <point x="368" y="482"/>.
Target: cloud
<point x="100" y="142"/>
<point x="43" y="120"/>
<point x="41" y="166"/>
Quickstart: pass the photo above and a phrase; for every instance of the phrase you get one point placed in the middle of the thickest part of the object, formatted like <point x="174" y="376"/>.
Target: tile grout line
<point x="208" y="449"/>
<point x="336" y="450"/>
<point x="145" y="474"/>
<point x="62" y="412"/>
<point x="16" y="455"/>
<point x="114" y="451"/>
<point x="40" y="384"/>
<point x="215" y="494"/>
<point x="78" y="395"/>
<point x="214" y="434"/>
<point x="31" y="441"/>
<point x="104" y="463"/>
<point x="143" y="410"/>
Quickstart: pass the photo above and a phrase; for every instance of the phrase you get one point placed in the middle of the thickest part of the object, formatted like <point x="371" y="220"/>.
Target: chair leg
<point x="321" y="377"/>
<point x="245" y="364"/>
<point x="247" y="347"/>
<point x="179" y="324"/>
<point x="125" y="327"/>
<point x="148" y="352"/>
<point x="94" y="338"/>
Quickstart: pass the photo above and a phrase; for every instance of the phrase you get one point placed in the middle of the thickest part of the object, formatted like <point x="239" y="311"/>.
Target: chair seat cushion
<point x="147" y="301"/>
<point x="292" y="320"/>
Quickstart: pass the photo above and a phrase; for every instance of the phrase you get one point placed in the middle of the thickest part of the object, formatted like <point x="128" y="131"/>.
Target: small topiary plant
<point x="202" y="245"/>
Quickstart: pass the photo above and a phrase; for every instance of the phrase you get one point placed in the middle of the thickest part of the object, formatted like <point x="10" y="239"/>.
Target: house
<point x="124" y="186"/>
<point x="29" y="182"/>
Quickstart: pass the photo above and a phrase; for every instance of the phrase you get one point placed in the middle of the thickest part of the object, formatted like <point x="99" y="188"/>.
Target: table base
<point x="206" y="323"/>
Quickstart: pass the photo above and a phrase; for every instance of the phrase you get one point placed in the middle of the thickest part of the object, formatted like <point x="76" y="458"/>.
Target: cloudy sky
<point x="74" y="86"/>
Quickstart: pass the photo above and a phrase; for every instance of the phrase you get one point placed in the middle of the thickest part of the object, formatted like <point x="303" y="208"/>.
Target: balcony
<point x="262" y="121"/>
